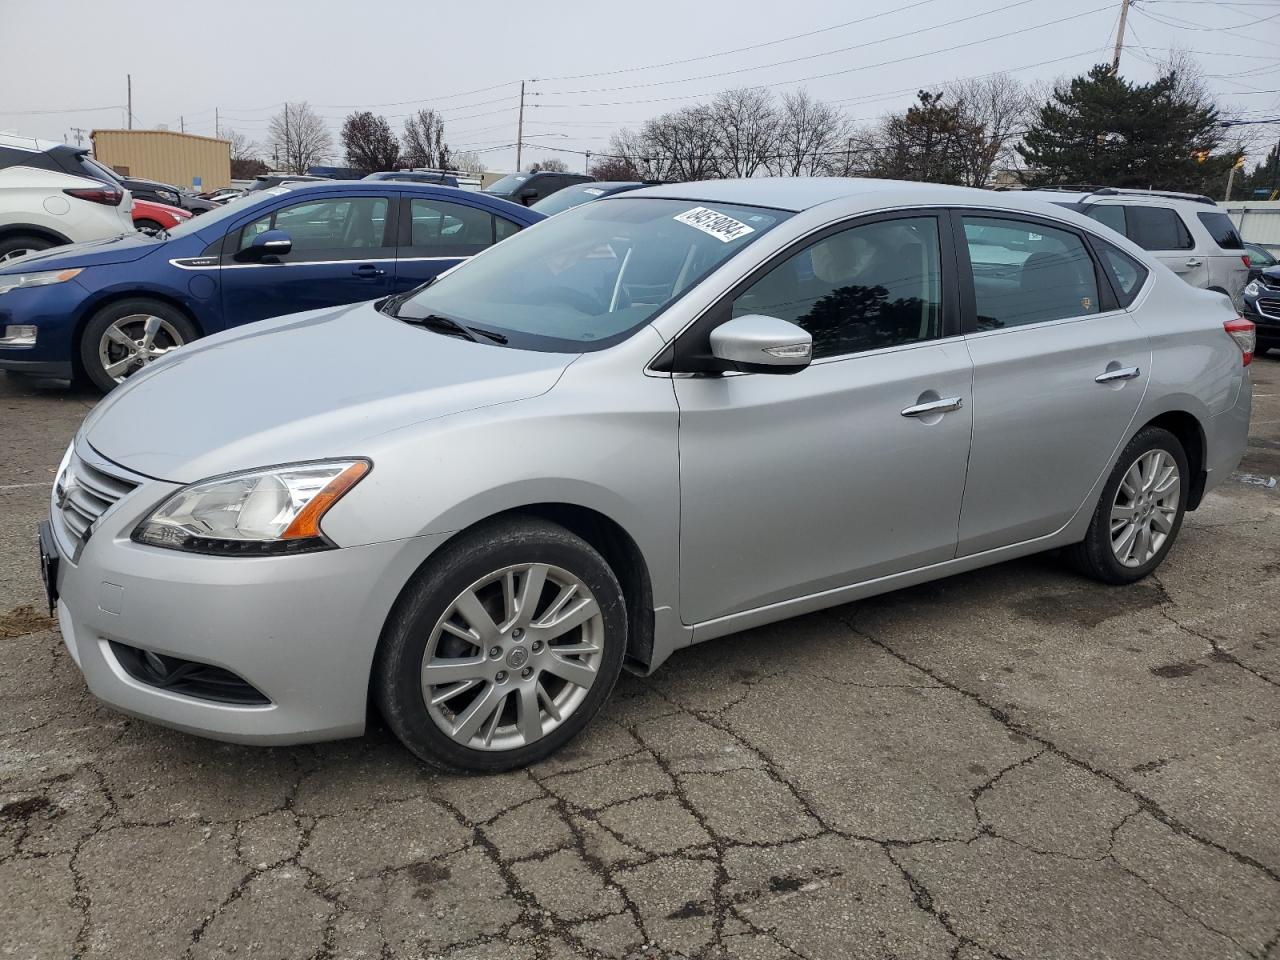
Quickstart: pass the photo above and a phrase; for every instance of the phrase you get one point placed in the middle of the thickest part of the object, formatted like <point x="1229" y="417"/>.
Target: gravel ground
<point x="1009" y="763"/>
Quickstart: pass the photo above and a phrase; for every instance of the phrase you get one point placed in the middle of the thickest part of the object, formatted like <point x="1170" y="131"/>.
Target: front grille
<point x="85" y="491"/>
<point x="1269" y="307"/>
<point x="187" y="677"/>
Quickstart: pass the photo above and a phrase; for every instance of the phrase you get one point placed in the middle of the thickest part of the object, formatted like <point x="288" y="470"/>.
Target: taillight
<point x="1243" y="333"/>
<point x="108" y="195"/>
<point x="1244" y="258"/>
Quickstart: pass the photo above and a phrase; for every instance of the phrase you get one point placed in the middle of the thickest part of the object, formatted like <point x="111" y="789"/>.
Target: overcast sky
<point x="592" y="66"/>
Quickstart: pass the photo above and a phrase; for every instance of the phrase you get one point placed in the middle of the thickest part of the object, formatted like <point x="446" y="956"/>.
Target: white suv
<point x="51" y="194"/>
<point x="1189" y="234"/>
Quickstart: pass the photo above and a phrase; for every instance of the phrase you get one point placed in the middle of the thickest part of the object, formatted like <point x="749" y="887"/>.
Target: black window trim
<point x="1096" y="246"/>
<point x="1107" y="302"/>
<point x="232" y="238"/>
<point x="689" y="352"/>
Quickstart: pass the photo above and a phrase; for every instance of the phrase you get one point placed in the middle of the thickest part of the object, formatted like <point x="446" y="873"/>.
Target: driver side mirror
<point x="759" y="344"/>
<point x="528" y="196"/>
<point x="269" y="243"/>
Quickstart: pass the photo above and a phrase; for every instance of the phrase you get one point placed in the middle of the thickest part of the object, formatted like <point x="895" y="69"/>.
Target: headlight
<point x="1252" y="289"/>
<point x="274" y="510"/>
<point x="45" y="278"/>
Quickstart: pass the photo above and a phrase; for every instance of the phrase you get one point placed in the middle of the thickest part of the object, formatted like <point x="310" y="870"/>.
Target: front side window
<point x="1025" y="272"/>
<point x="871" y="286"/>
<point x="442" y="229"/>
<point x="1158" y="228"/>
<point x="590" y="277"/>
<point x="1222" y="230"/>
<point x="337" y="224"/>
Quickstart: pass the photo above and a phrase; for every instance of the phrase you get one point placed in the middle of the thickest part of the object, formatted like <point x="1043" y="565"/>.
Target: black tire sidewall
<point x="98" y="323"/>
<point x="397" y="669"/>
<point x="24" y="242"/>
<point x="1098" y="543"/>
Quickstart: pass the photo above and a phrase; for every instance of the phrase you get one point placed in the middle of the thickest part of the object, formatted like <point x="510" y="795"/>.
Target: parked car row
<point x="652" y="420"/>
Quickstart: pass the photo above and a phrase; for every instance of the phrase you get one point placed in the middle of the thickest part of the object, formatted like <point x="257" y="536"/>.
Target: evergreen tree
<point x="1101" y="129"/>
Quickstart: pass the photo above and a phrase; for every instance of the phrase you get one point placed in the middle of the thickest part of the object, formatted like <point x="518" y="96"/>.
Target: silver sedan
<point x="651" y="421"/>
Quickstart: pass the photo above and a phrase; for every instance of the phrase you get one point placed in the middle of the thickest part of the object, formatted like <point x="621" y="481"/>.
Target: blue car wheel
<point x="125" y="336"/>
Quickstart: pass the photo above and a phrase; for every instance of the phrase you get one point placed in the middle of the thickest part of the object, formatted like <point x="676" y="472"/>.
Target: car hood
<point x="303" y="387"/>
<point x="121" y="249"/>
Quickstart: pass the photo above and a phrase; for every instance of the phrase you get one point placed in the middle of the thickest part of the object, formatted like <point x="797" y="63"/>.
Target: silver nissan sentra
<point x="651" y="421"/>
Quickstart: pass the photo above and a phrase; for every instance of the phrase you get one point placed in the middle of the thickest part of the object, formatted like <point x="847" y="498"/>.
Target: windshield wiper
<point x="439" y="322"/>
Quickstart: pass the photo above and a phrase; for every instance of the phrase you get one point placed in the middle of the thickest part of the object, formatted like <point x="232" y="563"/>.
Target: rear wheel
<point x="149" y="227"/>
<point x="125" y="336"/>
<point x="1140" y="511"/>
<point x="11" y="248"/>
<point x="502" y="648"/>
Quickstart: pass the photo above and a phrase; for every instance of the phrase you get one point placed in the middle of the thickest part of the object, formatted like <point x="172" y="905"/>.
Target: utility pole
<point x="1124" y="16"/>
<point x="79" y="132"/>
<point x="129" y="80"/>
<point x="586" y="164"/>
<point x="217" y="128"/>
<point x="520" y="128"/>
<point x="288" y="161"/>
<point x="182" y="123"/>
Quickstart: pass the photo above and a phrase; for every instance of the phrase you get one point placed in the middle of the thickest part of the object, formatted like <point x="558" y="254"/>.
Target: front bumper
<point x="301" y="629"/>
<point x="52" y="310"/>
<point x="1268" y="323"/>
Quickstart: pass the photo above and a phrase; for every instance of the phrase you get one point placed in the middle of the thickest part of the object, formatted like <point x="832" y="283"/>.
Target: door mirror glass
<point x="760" y="344"/>
<point x="269" y="243"/>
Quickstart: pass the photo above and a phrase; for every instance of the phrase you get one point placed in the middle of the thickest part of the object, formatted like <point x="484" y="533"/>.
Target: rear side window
<point x="1112" y="217"/>
<point x="1222" y="230"/>
<point x="439" y="228"/>
<point x="1028" y="273"/>
<point x="1127" y="274"/>
<point x="1158" y="228"/>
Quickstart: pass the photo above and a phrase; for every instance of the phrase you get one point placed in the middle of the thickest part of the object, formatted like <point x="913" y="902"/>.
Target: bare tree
<point x="614" y="168"/>
<point x="369" y="143"/>
<point x="685" y="141"/>
<point x="633" y="152"/>
<point x="466" y="161"/>
<point x="299" y="138"/>
<point x="424" y="143"/>
<point x="245" y="160"/>
<point x="745" y="126"/>
<point x="550" y="165"/>
<point x="810" y="134"/>
<point x="995" y="112"/>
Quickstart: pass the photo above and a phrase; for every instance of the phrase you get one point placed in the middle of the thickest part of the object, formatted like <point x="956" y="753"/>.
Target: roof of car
<point x="15" y="142"/>
<point x="801" y="193"/>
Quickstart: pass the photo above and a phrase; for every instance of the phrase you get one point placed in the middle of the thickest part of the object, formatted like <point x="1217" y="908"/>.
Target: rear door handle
<point x="934" y="406"/>
<point x="368" y="270"/>
<point x="1193" y="261"/>
<point x="1124" y="373"/>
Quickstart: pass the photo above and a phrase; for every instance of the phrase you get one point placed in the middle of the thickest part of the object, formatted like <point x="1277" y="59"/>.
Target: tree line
<point x="1094" y="129"/>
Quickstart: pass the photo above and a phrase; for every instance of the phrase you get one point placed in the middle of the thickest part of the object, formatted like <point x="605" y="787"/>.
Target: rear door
<point x="1058" y="373"/>
<point x="343" y="252"/>
<point x="1227" y="269"/>
<point x="1161" y="231"/>
<point x="437" y="234"/>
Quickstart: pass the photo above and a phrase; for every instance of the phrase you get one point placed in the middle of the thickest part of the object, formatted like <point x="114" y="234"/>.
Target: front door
<point x="1056" y="380"/>
<point x="343" y="252"/>
<point x="792" y="485"/>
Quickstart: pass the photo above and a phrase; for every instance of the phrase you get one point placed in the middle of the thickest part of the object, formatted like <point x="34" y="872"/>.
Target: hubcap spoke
<point x="472" y="610"/>
<point x="453" y="669"/>
<point x="120" y="367"/>
<point x="118" y="336"/>
<point x="575" y="671"/>
<point x="149" y="331"/>
<point x="531" y="584"/>
<point x="529" y="714"/>
<point x="574" y="616"/>
<point x="478" y="711"/>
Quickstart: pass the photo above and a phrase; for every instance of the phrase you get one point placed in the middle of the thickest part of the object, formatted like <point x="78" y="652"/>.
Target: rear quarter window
<point x="1158" y="228"/>
<point x="1222" y="230"/>
<point x="1126" y="274"/>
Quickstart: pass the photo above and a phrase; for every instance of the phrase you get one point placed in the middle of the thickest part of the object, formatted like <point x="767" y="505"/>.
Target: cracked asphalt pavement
<point x="1010" y="763"/>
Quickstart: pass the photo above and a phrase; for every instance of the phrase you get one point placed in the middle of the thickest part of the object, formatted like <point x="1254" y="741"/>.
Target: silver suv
<point x="1186" y="232"/>
<point x="649" y="421"/>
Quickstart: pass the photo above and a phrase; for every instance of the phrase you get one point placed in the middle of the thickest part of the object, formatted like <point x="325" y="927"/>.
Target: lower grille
<point x="187" y="677"/>
<point x="1269" y="307"/>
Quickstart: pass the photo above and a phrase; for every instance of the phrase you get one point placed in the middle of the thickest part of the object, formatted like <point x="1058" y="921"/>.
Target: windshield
<point x="562" y="200"/>
<point x="508" y="184"/>
<point x="589" y="278"/>
<point x="232" y="208"/>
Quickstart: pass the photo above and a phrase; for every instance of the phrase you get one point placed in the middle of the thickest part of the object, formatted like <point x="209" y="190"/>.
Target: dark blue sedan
<point x="106" y="309"/>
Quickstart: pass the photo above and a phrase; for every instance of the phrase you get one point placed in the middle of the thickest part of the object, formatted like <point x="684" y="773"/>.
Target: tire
<point x="479" y="727"/>
<point x="21" y="244"/>
<point x="1096" y="555"/>
<point x="131" y="316"/>
<point x="147" y="226"/>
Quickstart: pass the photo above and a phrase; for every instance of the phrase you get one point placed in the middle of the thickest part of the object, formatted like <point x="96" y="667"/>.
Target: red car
<point x="150" y="217"/>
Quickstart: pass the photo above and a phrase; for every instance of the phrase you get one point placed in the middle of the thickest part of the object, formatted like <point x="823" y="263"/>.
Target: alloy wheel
<point x="512" y="657"/>
<point x="132" y="342"/>
<point x="1145" y="508"/>
<point x="14" y="254"/>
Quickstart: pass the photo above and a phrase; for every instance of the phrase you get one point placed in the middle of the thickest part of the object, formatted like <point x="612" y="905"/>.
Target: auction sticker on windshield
<point x="723" y="228"/>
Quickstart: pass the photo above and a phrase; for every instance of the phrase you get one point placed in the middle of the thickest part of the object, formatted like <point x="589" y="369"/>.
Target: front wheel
<point x="123" y="337"/>
<point x="1140" y="511"/>
<point x="502" y="648"/>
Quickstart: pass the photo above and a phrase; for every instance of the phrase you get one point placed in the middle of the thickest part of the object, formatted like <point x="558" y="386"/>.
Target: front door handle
<point x="1123" y="373"/>
<point x="1193" y="261"/>
<point x="368" y="270"/>
<point x="934" y="406"/>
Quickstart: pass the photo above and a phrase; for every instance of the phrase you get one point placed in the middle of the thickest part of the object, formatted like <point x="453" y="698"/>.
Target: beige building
<point x="165" y="155"/>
